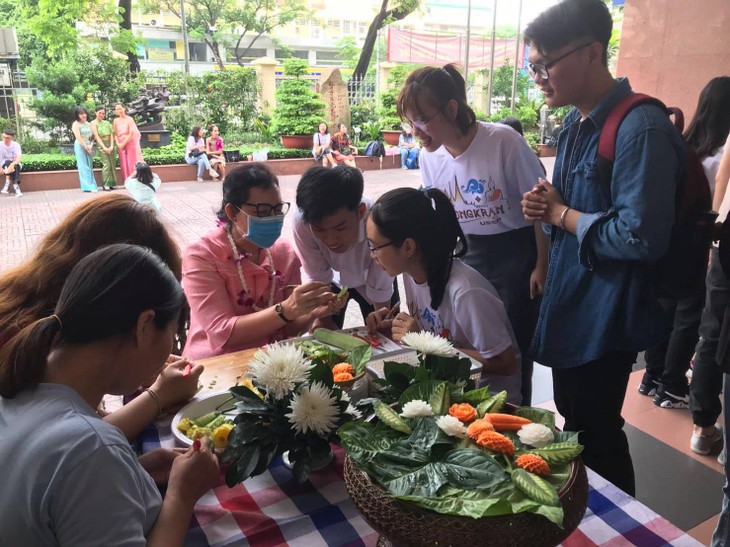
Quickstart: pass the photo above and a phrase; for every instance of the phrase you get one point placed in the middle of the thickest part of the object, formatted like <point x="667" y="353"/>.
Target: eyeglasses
<point x="421" y="125"/>
<point x="267" y="210"/>
<point x="374" y="250"/>
<point x="538" y="69"/>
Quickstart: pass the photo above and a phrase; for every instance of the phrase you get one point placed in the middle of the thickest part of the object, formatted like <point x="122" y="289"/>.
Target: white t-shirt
<point x="355" y="266"/>
<point x="143" y="193"/>
<point x="69" y="478"/>
<point x="194" y="143"/>
<point x="9" y="153"/>
<point x="321" y="140"/>
<point x="487" y="181"/>
<point x="472" y="316"/>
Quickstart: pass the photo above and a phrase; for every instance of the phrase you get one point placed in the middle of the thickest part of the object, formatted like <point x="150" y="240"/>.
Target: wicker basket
<point x="403" y="524"/>
<point x="347" y="384"/>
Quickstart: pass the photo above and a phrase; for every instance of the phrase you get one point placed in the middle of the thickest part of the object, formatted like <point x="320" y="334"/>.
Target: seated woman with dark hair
<point x="241" y="280"/>
<point x="214" y="148"/>
<point x="71" y="478"/>
<point x="342" y="150"/>
<point x="29" y="291"/>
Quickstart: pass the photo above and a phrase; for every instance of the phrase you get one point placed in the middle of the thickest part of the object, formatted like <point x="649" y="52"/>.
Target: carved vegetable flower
<point x="477" y="427"/>
<point x="464" y="412"/>
<point x="536" y="435"/>
<point x="451" y="426"/>
<point x="416" y="408"/>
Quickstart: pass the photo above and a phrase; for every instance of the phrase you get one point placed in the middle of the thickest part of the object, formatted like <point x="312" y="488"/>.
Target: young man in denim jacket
<point x="598" y="309"/>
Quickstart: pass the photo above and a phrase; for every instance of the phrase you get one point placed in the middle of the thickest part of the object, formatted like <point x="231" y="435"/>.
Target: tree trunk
<point x="125" y="9"/>
<point x="215" y="48"/>
<point x="372" y="37"/>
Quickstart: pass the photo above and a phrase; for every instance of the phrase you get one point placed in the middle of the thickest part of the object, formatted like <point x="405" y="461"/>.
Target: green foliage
<point x="502" y="92"/>
<point x="92" y="75"/>
<point x="372" y="131"/>
<point x="181" y="120"/>
<point x="533" y="139"/>
<point x="299" y="110"/>
<point x="363" y="113"/>
<point x="389" y="99"/>
<point x="228" y="96"/>
<point x="32" y="145"/>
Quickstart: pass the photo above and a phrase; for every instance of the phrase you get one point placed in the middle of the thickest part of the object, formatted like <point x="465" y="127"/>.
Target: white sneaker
<point x="18" y="193"/>
<point x="702" y="444"/>
<point x="199" y="179"/>
<point x="5" y="188"/>
<point x="213" y="173"/>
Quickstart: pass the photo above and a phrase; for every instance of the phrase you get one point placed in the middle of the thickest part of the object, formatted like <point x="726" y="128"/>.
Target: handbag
<point x="196" y="153"/>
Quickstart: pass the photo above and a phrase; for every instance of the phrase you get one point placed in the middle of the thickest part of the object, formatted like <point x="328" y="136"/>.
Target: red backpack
<point x="681" y="271"/>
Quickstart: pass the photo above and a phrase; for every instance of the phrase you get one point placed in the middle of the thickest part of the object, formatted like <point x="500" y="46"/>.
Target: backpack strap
<point x="609" y="133"/>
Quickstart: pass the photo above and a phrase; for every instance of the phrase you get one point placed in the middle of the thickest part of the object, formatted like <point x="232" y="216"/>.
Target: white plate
<point x="195" y="409"/>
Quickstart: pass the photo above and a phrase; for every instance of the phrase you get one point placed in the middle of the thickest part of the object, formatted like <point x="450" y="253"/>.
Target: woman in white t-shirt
<point x="416" y="233"/>
<point x="484" y="169"/>
<point x="143" y="185"/>
<point x="195" y="153"/>
<point x="321" y="149"/>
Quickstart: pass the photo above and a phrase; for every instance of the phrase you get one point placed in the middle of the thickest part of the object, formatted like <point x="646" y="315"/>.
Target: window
<point x="198" y="51"/>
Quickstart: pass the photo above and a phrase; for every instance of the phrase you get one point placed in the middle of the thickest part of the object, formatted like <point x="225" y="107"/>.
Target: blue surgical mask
<point x="263" y="232"/>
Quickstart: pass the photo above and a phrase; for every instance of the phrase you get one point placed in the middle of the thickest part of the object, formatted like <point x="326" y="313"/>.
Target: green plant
<point x="388" y="112"/>
<point x="362" y="113"/>
<point x="228" y="97"/>
<point x="372" y="131"/>
<point x="180" y="120"/>
<point x="32" y="145"/>
<point x="262" y="125"/>
<point x="299" y="110"/>
<point x="533" y="140"/>
<point x="422" y="452"/>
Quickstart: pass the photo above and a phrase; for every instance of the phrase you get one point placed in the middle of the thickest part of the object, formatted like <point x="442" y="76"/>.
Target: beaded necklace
<point x="244" y="297"/>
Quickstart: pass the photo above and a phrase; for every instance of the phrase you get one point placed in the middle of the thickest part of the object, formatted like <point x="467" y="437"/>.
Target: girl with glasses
<point x="238" y="278"/>
<point x="416" y="233"/>
<point x="483" y="168"/>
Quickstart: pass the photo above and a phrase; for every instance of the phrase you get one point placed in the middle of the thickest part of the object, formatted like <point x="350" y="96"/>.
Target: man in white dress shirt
<point x="329" y="232"/>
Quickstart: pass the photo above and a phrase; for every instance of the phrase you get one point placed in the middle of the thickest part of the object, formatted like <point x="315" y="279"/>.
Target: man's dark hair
<point x="569" y="22"/>
<point x="514" y="123"/>
<point x="323" y="191"/>
<point x="9" y="132"/>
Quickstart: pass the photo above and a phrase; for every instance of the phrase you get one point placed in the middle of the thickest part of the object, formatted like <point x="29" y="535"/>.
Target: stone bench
<point x="182" y="172"/>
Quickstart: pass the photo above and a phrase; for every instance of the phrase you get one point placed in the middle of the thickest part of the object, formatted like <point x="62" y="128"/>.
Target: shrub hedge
<point x="65" y="162"/>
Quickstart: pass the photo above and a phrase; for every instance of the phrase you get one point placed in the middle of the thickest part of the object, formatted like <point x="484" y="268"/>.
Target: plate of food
<point x="210" y="416"/>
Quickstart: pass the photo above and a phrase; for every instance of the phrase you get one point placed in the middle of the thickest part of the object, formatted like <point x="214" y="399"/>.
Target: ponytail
<point x="435" y="87"/>
<point x="103" y="296"/>
<point x="23" y="359"/>
<point x="428" y="217"/>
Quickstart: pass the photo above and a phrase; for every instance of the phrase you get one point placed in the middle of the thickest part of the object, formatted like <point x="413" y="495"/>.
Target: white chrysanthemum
<point x="279" y="368"/>
<point x="416" y="408"/>
<point x="451" y="426"/>
<point x="428" y="343"/>
<point x="345" y="396"/>
<point x="352" y="411"/>
<point x="536" y="435"/>
<point x="314" y="408"/>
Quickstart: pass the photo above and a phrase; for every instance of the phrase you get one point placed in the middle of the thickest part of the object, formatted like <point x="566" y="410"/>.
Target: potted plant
<point x="449" y="464"/>
<point x="299" y="110"/>
<point x="388" y="103"/>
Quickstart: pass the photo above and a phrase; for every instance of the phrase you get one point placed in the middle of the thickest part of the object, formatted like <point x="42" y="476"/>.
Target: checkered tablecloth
<point x="272" y="509"/>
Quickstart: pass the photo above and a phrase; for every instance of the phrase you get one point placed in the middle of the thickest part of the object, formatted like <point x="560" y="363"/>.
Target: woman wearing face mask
<point x="236" y="277"/>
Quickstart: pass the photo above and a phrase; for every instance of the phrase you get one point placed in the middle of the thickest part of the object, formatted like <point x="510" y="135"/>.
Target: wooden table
<point x="223" y="371"/>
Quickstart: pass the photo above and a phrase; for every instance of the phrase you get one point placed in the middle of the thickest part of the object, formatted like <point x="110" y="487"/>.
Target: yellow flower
<point x="220" y="435"/>
<point x="249" y="384"/>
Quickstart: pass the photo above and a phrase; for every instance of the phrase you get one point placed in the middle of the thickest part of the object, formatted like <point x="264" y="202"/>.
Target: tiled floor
<point x="673" y="481"/>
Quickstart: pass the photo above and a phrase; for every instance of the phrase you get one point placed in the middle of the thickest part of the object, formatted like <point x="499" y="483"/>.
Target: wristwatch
<point x="280" y="312"/>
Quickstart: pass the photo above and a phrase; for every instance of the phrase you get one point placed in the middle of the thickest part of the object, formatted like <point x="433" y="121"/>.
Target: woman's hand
<point x="537" y="281"/>
<point x="306" y="298"/>
<point x="403" y="324"/>
<point x="543" y="203"/>
<point x="331" y="308"/>
<point x="194" y="473"/>
<point x="376" y="321"/>
<point x="173" y="386"/>
<point x="158" y="463"/>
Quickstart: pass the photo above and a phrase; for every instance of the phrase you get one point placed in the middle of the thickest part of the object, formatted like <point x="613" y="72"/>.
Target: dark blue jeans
<point x="706" y="385"/>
